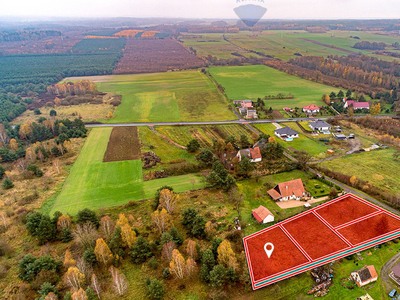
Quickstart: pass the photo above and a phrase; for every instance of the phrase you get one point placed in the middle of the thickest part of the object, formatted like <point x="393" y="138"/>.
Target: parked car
<point x="392" y="293"/>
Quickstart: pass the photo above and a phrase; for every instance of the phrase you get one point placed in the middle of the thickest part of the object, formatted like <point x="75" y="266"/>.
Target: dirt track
<point x="328" y="46"/>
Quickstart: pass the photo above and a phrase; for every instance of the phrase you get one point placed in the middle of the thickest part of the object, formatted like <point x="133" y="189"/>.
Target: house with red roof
<point x="311" y="109"/>
<point x="365" y="275"/>
<point x="356" y="105"/>
<point x="290" y="190"/>
<point x="263" y="215"/>
<point x="254" y="154"/>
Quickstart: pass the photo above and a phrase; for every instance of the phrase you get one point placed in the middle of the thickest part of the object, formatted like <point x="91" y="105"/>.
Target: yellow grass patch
<point x="378" y="177"/>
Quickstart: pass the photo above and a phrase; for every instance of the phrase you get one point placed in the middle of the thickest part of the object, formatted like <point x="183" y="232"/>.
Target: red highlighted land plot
<point x="323" y="234"/>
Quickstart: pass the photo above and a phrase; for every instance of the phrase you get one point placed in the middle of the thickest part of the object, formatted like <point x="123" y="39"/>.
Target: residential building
<point x="365" y="297"/>
<point x="320" y="126"/>
<point x="251" y="114"/>
<point x="365" y="275"/>
<point x="395" y="273"/>
<point x="286" y="132"/>
<point x="254" y="154"/>
<point x="263" y="215"/>
<point x="356" y="105"/>
<point x="290" y="190"/>
<point x="311" y="109"/>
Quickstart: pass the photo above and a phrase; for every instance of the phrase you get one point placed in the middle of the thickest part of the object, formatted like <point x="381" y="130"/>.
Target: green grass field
<point x="167" y="97"/>
<point x="94" y="184"/>
<point x="251" y="82"/>
<point x="301" y="143"/>
<point x="377" y="167"/>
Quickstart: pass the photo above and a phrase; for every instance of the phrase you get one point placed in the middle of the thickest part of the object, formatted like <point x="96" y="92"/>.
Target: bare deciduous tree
<point x="167" y="250"/>
<point x="95" y="285"/>
<point x="107" y="227"/>
<point x="86" y="235"/>
<point x="119" y="282"/>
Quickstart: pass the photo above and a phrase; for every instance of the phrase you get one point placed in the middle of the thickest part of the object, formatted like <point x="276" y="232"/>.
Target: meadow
<point x="204" y="134"/>
<point x="251" y="82"/>
<point x="94" y="184"/>
<point x="167" y="97"/>
<point x="301" y="143"/>
<point x="377" y="167"/>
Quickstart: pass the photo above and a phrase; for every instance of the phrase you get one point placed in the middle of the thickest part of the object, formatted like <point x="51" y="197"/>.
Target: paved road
<point x="388" y="283"/>
<point x="205" y="123"/>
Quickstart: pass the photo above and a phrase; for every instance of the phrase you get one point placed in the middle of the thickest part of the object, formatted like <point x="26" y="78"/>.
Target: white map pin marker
<point x="269" y="252"/>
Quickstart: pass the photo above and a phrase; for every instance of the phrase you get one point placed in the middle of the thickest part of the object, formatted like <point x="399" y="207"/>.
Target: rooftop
<point x="286" y="130"/>
<point x="261" y="213"/>
<point x="319" y="124"/>
<point x="289" y="188"/>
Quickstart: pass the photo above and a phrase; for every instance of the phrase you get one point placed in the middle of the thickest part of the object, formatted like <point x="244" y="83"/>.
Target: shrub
<point x="140" y="251"/>
<point x="153" y="264"/>
<point x="193" y="145"/>
<point x="217" y="276"/>
<point x="2" y="171"/>
<point x="37" y="111"/>
<point x="7" y="184"/>
<point x="166" y="274"/>
<point x="155" y="289"/>
<point x="35" y="170"/>
<point x="89" y="257"/>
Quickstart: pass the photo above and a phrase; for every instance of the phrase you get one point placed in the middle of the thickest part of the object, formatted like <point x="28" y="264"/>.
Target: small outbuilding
<point x="263" y="215"/>
<point x="340" y="137"/>
<point x="365" y="275"/>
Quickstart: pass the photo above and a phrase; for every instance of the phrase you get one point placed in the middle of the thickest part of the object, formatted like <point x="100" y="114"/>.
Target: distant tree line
<point x="370" y="46"/>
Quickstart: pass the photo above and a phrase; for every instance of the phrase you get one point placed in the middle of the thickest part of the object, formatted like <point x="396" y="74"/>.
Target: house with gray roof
<point x="320" y="126"/>
<point x="286" y="132"/>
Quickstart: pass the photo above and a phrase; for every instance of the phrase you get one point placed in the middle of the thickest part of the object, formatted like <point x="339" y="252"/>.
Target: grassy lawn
<point x="251" y="82"/>
<point x="166" y="97"/>
<point x="95" y="184"/>
<point x="377" y="167"/>
<point x="301" y="143"/>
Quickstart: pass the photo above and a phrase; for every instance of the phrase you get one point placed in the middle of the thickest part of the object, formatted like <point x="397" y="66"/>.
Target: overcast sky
<point x="277" y="9"/>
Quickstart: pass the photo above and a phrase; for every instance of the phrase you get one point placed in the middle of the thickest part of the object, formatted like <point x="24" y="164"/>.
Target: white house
<point x="311" y="109"/>
<point x="356" y="105"/>
<point x="365" y="275"/>
<point x="320" y="126"/>
<point x="286" y="132"/>
<point x="263" y="215"/>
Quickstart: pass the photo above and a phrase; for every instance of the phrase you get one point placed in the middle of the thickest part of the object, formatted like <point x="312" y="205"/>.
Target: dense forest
<point x="26" y="35"/>
<point x="370" y="46"/>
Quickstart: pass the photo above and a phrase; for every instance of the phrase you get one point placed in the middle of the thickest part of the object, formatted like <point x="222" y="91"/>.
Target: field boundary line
<point x="332" y="229"/>
<point x="358" y="220"/>
<point x="295" y="242"/>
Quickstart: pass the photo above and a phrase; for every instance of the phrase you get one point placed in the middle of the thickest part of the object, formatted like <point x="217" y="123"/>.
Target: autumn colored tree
<point x="30" y="155"/>
<point x="161" y="220"/>
<point x="51" y="296"/>
<point x="122" y="220"/>
<point x="272" y="140"/>
<point x="353" y="180"/>
<point x="24" y="131"/>
<point x="167" y="250"/>
<point x="57" y="165"/>
<point x="168" y="200"/>
<point x="376" y="109"/>
<point x="110" y="115"/>
<point x="79" y="295"/>
<point x="326" y="99"/>
<point x="210" y="230"/>
<point x="102" y="252"/>
<point x="191" y="249"/>
<point x="74" y="278"/>
<point x="350" y="111"/>
<point x="57" y="101"/>
<point x="128" y="236"/>
<point x="13" y="145"/>
<point x="69" y="261"/>
<point x="177" y="264"/>
<point x="119" y="282"/>
<point x="63" y="221"/>
<point x="190" y="267"/>
<point x="226" y="256"/>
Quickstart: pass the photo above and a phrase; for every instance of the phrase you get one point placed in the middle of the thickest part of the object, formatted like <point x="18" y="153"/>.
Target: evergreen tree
<point x="332" y="95"/>
<point x="340" y="94"/>
<point x="87" y="215"/>
<point x="206" y="157"/>
<point x="198" y="227"/>
<point x="220" y="178"/>
<point x="116" y="243"/>
<point x="47" y="288"/>
<point x="177" y="238"/>
<point x="89" y="257"/>
<point x="155" y="289"/>
<point x="244" y="142"/>
<point x="90" y="294"/>
<point x="214" y="246"/>
<point x="2" y="171"/>
<point x="217" y="276"/>
<point x="46" y="230"/>
<point x="140" y="251"/>
<point x="208" y="263"/>
<point x="7" y="184"/>
<point x="348" y="93"/>
<point x="66" y="235"/>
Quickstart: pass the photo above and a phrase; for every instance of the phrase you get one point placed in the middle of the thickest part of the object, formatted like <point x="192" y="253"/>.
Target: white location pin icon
<point x="269" y="252"/>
